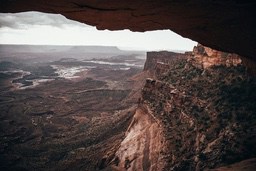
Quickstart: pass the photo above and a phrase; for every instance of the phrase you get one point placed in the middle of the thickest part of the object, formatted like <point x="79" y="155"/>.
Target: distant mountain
<point x="54" y="48"/>
<point x="53" y="52"/>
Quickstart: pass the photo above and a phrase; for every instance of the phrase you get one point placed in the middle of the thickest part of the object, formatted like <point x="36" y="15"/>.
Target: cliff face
<point x="140" y="150"/>
<point x="208" y="57"/>
<point x="201" y="117"/>
<point x="158" y="63"/>
<point x="202" y="57"/>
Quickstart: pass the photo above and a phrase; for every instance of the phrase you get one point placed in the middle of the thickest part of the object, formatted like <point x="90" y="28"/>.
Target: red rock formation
<point x="223" y="25"/>
<point x="140" y="150"/>
<point x="159" y="62"/>
<point x="208" y="57"/>
<point x="190" y="113"/>
<point x="198" y="108"/>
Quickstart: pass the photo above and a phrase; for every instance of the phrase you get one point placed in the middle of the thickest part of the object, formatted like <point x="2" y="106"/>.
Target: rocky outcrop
<point x="223" y="25"/>
<point x="141" y="149"/>
<point x="194" y="118"/>
<point x="207" y="57"/>
<point x="206" y="122"/>
<point x="158" y="63"/>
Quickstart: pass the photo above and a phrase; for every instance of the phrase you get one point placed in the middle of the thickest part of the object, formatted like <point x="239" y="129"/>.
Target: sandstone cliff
<point x="163" y="57"/>
<point x="141" y="149"/>
<point x="197" y="112"/>
<point x="208" y="57"/>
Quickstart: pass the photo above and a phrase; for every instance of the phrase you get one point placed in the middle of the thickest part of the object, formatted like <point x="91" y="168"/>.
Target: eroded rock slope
<point x="199" y="114"/>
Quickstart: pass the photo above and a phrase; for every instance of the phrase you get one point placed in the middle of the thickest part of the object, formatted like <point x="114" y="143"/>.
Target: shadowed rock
<point x="223" y="25"/>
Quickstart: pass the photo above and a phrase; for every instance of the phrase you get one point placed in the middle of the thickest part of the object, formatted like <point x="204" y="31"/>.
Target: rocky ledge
<point x="199" y="115"/>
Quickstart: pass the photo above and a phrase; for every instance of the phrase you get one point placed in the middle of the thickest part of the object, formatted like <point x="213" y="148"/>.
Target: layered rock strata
<point x="158" y="63"/>
<point x="196" y="115"/>
<point x="141" y="149"/>
<point x="207" y="57"/>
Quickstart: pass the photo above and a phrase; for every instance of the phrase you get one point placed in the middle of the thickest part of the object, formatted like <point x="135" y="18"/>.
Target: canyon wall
<point x="208" y="57"/>
<point x="158" y="63"/>
<point x="141" y="149"/>
<point x="191" y="114"/>
<point x="163" y="57"/>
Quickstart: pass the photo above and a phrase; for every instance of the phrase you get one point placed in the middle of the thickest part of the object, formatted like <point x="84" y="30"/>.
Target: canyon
<point x="192" y="111"/>
<point x="182" y="111"/>
<point x="190" y="115"/>
<point x="73" y="119"/>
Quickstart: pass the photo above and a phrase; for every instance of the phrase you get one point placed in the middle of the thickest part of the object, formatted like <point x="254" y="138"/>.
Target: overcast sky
<point x="55" y="29"/>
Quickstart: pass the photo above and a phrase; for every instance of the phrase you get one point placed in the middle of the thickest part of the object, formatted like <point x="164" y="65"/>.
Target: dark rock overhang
<point x="223" y="25"/>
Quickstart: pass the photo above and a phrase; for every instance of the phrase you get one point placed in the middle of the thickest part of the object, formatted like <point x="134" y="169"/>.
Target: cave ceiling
<point x="223" y="25"/>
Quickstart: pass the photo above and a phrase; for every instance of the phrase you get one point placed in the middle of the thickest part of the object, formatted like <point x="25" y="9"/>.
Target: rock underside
<point x="223" y="25"/>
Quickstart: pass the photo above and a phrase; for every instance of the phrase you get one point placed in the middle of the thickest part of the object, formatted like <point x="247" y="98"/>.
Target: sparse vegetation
<point x="210" y="110"/>
<point x="63" y="124"/>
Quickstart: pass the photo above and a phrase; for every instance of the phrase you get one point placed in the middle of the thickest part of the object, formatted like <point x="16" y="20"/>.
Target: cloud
<point x="55" y="29"/>
<point x="29" y="19"/>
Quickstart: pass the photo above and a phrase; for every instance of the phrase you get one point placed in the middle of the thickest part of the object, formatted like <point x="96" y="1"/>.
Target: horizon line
<point x="119" y="47"/>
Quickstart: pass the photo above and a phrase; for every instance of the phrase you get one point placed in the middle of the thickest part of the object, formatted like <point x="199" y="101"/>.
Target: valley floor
<point x="71" y="122"/>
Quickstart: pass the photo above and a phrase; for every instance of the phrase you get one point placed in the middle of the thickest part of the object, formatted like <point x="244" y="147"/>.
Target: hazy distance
<point x="36" y="28"/>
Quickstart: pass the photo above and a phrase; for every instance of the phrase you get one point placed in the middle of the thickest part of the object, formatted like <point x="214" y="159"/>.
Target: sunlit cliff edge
<point x="195" y="112"/>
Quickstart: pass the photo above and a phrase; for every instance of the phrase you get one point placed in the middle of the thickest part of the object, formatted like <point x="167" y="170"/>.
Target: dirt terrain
<point x="72" y="119"/>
